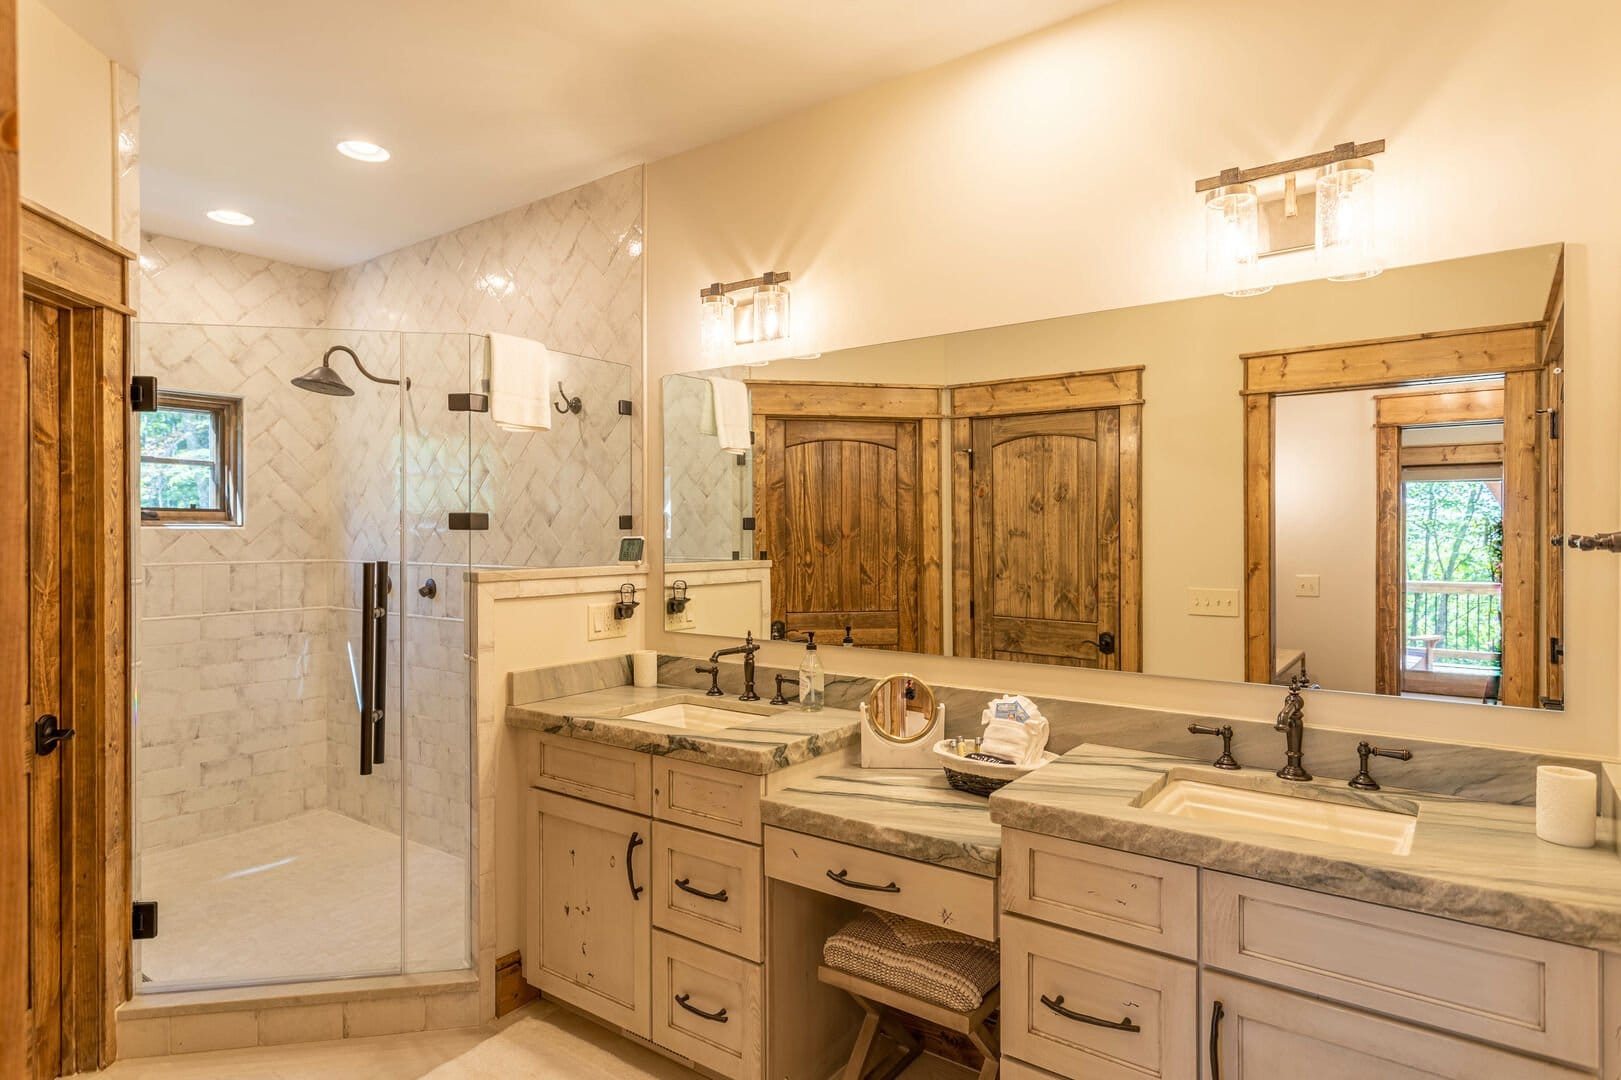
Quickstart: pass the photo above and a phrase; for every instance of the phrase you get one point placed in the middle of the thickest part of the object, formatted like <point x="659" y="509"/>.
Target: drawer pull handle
<point x="717" y="1017"/>
<point x="1216" y="1013"/>
<point x="636" y="841"/>
<point x="684" y="886"/>
<point x="842" y="877"/>
<point x="1057" y="1005"/>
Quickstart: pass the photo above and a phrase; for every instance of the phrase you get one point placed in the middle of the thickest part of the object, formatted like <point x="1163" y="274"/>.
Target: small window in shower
<point x="191" y="460"/>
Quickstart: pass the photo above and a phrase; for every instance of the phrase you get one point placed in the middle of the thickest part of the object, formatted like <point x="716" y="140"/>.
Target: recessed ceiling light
<point x="361" y="150"/>
<point x="230" y="217"/>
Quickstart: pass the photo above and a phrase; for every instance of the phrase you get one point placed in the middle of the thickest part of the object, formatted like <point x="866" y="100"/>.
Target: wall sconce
<point x="1245" y="221"/>
<point x="765" y="316"/>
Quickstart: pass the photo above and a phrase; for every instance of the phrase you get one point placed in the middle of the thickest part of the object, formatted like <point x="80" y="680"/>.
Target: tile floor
<point x="541" y="1041"/>
<point x="313" y="896"/>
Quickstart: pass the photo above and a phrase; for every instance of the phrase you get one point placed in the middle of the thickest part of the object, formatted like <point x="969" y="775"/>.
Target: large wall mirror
<point x="1355" y="482"/>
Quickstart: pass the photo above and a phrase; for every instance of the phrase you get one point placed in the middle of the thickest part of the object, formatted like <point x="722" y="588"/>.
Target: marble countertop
<point x="780" y="737"/>
<point x="1476" y="862"/>
<point x="912" y="813"/>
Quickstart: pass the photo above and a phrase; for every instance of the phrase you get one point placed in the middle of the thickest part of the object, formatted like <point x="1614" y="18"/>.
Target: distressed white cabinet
<point x="589" y="930"/>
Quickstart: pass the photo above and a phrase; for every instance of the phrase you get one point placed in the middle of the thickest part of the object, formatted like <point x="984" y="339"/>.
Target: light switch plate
<point x="1310" y="585"/>
<point x="601" y="624"/>
<point x="1216" y="603"/>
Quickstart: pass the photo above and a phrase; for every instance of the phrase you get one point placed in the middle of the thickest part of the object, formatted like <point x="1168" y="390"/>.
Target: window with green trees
<point x="191" y="457"/>
<point x="1455" y="570"/>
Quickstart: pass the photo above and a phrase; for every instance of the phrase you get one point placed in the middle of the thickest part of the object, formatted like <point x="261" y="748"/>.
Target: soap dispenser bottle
<point x="811" y="691"/>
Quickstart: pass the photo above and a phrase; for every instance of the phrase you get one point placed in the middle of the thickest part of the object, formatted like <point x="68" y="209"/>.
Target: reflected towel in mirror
<point x="520" y="384"/>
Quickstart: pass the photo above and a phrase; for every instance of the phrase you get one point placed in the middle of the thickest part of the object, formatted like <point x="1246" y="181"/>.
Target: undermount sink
<point x="1299" y="816"/>
<point x="701" y="715"/>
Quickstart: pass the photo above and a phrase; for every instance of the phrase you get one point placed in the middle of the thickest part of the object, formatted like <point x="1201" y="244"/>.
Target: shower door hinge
<point x="143" y="924"/>
<point x="748" y="524"/>
<point x="143" y="393"/>
<point x="1553" y="423"/>
<point x="627" y="521"/>
<point x="469" y="403"/>
<point x="462" y="521"/>
<point x="1556" y="651"/>
<point x="624" y="407"/>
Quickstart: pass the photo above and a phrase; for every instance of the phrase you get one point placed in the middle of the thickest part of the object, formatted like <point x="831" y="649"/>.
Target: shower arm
<point x="326" y="362"/>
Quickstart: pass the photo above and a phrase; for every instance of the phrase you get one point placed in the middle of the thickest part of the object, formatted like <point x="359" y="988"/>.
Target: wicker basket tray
<point x="975" y="776"/>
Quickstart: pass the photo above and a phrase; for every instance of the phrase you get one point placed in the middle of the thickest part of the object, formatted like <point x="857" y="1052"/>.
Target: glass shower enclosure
<point x="303" y="739"/>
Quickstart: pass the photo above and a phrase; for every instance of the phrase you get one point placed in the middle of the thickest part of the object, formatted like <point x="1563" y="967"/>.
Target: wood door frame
<point x="1514" y="351"/>
<point x="14" y="913"/>
<point x="1107" y="388"/>
<point x="771" y="399"/>
<point x="70" y="267"/>
<point x="1392" y="412"/>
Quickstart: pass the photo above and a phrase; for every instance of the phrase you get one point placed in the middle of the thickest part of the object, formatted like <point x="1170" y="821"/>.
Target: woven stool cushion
<point x="931" y="963"/>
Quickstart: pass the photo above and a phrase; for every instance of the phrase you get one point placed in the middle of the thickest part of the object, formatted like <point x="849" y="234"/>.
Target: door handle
<point x="47" y="733"/>
<point x="636" y="841"/>
<point x="1216" y="1013"/>
<point x="378" y="606"/>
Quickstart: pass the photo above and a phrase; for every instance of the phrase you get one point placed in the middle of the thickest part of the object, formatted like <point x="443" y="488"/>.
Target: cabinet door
<point x="1255" y="1032"/>
<point x="587" y="912"/>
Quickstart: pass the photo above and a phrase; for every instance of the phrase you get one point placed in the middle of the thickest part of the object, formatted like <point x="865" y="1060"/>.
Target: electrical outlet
<point x="600" y="623"/>
<point x="679" y="620"/>
<point x="1310" y="585"/>
<point x="1217" y="603"/>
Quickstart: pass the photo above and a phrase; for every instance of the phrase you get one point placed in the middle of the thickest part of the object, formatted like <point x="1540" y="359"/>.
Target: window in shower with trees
<point x="191" y="460"/>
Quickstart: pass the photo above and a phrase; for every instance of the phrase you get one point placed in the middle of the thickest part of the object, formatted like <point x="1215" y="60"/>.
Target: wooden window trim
<point x="227" y="413"/>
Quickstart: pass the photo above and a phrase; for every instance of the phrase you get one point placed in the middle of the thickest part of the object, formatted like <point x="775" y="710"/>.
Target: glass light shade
<point x="715" y="333"/>
<point x="1233" y="240"/>
<point x="1346" y="232"/>
<point x="771" y="311"/>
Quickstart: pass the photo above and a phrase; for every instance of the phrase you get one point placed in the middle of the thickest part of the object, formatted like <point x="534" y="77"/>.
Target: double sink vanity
<point x="687" y="855"/>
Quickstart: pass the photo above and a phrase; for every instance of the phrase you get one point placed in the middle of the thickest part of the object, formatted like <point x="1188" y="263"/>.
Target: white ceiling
<point x="485" y="104"/>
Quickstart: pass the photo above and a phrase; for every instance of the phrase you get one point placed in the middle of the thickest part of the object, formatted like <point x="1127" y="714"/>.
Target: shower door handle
<point x="368" y="663"/>
<point x="379" y="698"/>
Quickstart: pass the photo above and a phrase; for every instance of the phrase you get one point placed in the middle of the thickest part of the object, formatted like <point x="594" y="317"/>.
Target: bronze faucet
<point x="1292" y="722"/>
<point x="748" y="649"/>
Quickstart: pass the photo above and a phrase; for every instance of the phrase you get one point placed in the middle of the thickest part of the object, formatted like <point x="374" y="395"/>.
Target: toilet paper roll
<point x="644" y="667"/>
<point x="1567" y="805"/>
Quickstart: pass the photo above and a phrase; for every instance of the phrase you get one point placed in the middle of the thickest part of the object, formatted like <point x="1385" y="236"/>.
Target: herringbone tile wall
<point x="707" y="491"/>
<point x="186" y="282"/>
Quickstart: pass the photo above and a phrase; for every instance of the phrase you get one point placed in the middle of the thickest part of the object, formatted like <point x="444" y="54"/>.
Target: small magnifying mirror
<point x="900" y="720"/>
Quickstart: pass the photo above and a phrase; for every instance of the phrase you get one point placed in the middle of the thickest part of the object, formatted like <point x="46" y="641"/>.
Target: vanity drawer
<point x="1046" y="970"/>
<point x="690" y="981"/>
<point x="1118" y="895"/>
<point x="918" y="890"/>
<point x="1491" y="985"/>
<point x="600" y="774"/>
<point x="704" y="797"/>
<point x="688" y="864"/>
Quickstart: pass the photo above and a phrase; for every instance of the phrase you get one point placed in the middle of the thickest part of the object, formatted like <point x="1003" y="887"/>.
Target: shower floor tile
<point x="314" y="896"/>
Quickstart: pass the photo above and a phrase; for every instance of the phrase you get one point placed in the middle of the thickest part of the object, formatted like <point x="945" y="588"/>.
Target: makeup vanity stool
<point x="890" y="963"/>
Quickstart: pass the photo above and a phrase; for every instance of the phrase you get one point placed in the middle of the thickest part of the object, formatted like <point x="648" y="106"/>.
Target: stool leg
<point x="857" y="1065"/>
<point x="987" y="1045"/>
<point x="911" y="1048"/>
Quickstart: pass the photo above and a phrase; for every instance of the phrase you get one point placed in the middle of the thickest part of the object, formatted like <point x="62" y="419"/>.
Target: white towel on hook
<point x="520" y="384"/>
<point x="733" y="423"/>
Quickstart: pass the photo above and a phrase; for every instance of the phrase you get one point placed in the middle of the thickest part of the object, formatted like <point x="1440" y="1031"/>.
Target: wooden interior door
<point x="44" y="342"/>
<point x="1046" y="537"/>
<point x="846" y="545"/>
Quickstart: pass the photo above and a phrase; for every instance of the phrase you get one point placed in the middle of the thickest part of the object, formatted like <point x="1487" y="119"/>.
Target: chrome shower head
<point x="323" y="380"/>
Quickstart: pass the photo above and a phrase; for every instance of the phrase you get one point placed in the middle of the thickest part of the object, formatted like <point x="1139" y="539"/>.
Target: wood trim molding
<point x="931" y="586"/>
<point x="1052" y="393"/>
<point x="1439" y="406"/>
<point x="1131" y="538"/>
<point x="1389" y="573"/>
<point x="962" y="540"/>
<point x="1260" y="659"/>
<point x="1522" y="544"/>
<point x="1391" y="361"/>
<point x="852" y="400"/>
<point x="1457" y="454"/>
<point x="69" y="265"/>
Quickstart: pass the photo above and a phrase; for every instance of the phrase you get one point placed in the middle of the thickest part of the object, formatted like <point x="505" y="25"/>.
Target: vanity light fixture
<point x="361" y="150"/>
<point x="1246" y="219"/>
<point x="231" y="217"/>
<point x="724" y="323"/>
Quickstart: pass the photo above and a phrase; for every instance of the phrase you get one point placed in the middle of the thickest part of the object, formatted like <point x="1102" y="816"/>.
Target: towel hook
<point x="568" y="404"/>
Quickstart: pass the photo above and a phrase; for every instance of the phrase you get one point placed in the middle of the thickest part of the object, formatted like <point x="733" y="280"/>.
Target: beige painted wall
<point x="69" y="138"/>
<point x="1054" y="175"/>
<point x="1325" y="502"/>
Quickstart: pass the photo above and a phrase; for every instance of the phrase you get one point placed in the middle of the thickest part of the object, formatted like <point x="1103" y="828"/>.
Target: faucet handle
<point x="780" y="699"/>
<point x="1226" y="761"/>
<point x="713" y="671"/>
<point x="1363" y="780"/>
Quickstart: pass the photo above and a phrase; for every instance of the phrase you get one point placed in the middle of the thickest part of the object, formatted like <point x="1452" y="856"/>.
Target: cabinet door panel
<point x="1266" y="1033"/>
<point x="588" y="933"/>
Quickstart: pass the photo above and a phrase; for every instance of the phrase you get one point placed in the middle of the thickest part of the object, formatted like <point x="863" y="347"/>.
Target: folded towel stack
<point x="1015" y="731"/>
